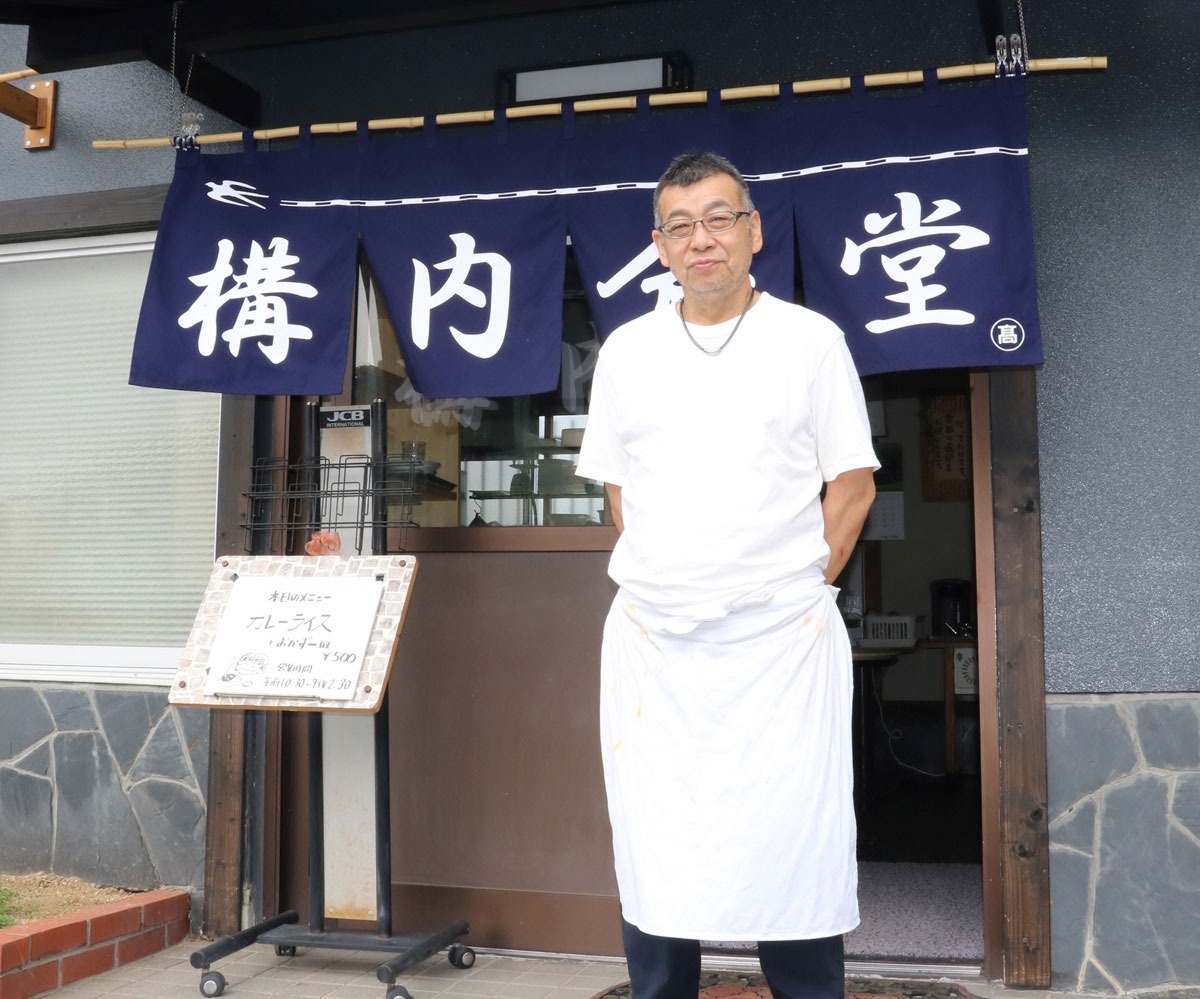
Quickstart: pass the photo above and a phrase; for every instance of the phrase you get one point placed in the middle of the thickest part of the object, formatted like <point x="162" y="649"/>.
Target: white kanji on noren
<point x="914" y="266"/>
<point x="661" y="284"/>
<point x="486" y="343"/>
<point x="261" y="289"/>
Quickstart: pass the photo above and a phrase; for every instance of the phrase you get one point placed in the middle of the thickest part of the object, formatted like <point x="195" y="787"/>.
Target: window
<point x="107" y="491"/>
<point x="487" y="462"/>
<point x="446" y="463"/>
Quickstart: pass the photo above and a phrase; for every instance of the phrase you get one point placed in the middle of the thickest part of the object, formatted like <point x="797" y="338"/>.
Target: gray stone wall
<point x="1124" y="773"/>
<point x="104" y="784"/>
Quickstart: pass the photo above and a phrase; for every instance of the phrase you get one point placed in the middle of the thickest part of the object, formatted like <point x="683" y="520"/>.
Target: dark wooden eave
<point x="80" y="34"/>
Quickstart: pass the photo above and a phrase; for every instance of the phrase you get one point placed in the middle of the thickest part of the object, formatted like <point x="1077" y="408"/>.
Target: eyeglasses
<point x="712" y="222"/>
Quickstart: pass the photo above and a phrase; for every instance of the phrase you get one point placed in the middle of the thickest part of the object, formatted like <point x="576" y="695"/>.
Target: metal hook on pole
<point x="1012" y="53"/>
<point x="189" y="121"/>
<point x="1017" y="61"/>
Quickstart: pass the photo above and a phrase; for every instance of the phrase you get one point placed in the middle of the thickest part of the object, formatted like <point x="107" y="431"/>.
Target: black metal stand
<point x="284" y="931"/>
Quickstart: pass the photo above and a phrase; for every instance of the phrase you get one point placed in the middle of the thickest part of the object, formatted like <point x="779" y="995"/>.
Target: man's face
<point x="708" y="265"/>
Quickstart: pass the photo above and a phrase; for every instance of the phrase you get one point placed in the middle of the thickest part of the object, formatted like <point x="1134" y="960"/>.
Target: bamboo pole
<point x="18" y="75"/>
<point x="760" y="91"/>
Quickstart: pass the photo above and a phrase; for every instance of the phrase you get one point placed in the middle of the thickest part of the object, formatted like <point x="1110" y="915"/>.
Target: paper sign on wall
<point x="293" y="637"/>
<point x="885" y="521"/>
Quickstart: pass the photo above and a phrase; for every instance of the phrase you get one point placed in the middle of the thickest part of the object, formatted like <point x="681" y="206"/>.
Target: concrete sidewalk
<point x="258" y="972"/>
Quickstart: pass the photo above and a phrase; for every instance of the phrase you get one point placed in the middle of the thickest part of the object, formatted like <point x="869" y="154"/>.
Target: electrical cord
<point x="894" y="735"/>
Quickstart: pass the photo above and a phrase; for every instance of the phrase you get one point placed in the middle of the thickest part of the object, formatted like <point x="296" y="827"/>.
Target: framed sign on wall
<point x="946" y="447"/>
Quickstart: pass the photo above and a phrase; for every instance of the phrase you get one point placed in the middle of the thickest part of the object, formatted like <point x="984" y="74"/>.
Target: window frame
<point x="143" y="665"/>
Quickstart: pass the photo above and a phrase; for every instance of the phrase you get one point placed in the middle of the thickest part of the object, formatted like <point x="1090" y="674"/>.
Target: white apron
<point x="727" y="762"/>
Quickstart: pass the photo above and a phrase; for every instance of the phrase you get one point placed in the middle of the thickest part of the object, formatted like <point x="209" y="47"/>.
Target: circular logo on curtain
<point x="1007" y="335"/>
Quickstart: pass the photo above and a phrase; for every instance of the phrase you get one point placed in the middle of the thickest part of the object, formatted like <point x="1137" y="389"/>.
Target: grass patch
<point x="8" y="901"/>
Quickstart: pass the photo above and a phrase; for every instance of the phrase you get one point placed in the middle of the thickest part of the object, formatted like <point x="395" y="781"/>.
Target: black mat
<point x="746" y="985"/>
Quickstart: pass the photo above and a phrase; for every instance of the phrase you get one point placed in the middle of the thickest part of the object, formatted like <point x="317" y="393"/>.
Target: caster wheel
<point x="398" y="992"/>
<point x="212" y="983"/>
<point x="285" y="950"/>
<point x="460" y="956"/>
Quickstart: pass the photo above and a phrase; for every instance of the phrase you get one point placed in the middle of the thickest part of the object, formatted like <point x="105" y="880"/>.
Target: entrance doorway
<point x="1011" y="716"/>
<point x="909" y="602"/>
<point x="577" y="913"/>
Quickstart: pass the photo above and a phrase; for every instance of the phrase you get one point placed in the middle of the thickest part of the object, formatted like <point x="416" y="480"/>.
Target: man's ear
<point x="660" y="244"/>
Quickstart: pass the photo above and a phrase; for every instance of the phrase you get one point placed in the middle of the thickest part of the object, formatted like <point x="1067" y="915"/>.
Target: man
<point x="726" y="671"/>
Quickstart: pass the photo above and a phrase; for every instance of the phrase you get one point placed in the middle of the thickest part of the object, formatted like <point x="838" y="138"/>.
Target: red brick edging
<point x="43" y="955"/>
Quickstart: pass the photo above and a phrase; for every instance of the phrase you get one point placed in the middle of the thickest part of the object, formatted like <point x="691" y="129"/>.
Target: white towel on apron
<point x="728" y="766"/>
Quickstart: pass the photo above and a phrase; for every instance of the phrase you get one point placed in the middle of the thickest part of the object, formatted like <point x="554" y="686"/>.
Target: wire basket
<point x="288" y="500"/>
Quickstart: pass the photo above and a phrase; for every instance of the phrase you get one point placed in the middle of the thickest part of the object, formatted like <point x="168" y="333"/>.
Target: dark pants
<point x="669" y="968"/>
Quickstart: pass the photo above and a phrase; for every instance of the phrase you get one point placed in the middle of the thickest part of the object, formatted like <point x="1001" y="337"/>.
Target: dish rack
<point x="888" y="631"/>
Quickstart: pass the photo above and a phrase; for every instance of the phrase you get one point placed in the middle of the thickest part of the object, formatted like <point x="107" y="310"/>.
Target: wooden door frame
<point x="1011" y="650"/>
<point x="1012" y="684"/>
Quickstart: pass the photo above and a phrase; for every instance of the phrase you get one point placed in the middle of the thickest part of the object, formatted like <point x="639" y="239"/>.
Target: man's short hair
<point x="691" y="168"/>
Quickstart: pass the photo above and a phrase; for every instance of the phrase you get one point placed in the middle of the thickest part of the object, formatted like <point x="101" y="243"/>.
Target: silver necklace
<point x="699" y="346"/>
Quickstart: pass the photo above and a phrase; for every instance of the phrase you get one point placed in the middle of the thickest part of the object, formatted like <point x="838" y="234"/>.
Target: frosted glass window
<point x="107" y="490"/>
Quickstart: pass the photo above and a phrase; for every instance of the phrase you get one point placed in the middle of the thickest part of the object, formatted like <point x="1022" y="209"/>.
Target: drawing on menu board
<point x="293" y="637"/>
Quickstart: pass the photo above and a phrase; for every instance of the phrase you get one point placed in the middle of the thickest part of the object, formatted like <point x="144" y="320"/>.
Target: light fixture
<point x="637" y="75"/>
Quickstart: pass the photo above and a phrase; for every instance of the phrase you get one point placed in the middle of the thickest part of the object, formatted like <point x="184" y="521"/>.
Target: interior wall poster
<point x="910" y="212"/>
<point x="915" y="230"/>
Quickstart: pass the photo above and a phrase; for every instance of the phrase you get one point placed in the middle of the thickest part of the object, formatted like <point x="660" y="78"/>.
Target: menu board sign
<point x="283" y="636"/>
<point x="296" y="633"/>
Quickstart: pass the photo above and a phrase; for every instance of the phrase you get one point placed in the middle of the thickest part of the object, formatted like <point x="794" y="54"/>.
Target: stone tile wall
<point x="108" y="784"/>
<point x="104" y="784"/>
<point x="1124" y="779"/>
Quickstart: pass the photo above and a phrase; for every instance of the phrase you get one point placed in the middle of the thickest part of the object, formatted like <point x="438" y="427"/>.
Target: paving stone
<point x="1169" y="731"/>
<point x="1077" y="828"/>
<point x="1187" y="802"/>
<point x="127" y="718"/>
<point x="1070" y="876"/>
<point x="172" y="819"/>
<point x="24" y="720"/>
<point x="1087" y="746"/>
<point x="1094" y="980"/>
<point x="1139" y="910"/>
<point x="96" y="836"/>
<point x="26" y="821"/>
<point x="1184" y="853"/>
<point x="72" y="710"/>
<point x="162" y="755"/>
<point x="35" y="761"/>
<point x="194" y="724"/>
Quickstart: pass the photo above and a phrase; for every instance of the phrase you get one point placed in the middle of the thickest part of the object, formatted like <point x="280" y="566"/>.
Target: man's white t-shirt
<point x="721" y="459"/>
